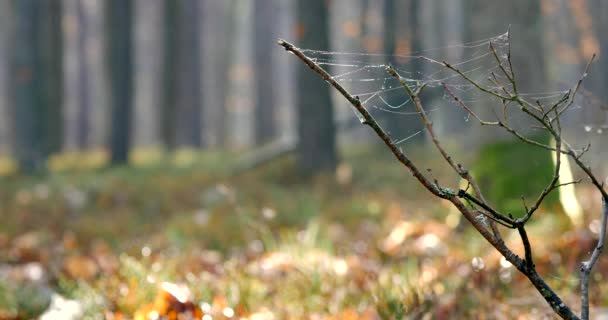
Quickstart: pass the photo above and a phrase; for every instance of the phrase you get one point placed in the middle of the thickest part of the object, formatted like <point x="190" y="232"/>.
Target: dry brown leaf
<point x="80" y="267"/>
<point x="171" y="302"/>
<point x="28" y="247"/>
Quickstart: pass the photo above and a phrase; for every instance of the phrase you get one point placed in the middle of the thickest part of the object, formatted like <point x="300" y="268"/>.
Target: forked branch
<point x="526" y="265"/>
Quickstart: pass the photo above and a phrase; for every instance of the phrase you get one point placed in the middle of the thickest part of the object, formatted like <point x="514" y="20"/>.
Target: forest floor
<point x="187" y="238"/>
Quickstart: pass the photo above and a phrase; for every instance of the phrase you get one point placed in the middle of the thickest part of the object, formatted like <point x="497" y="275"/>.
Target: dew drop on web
<point x="588" y="128"/>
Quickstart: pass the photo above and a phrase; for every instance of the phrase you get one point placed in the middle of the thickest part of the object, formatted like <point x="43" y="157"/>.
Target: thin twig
<point x="510" y="77"/>
<point x="509" y="59"/>
<point x="510" y="223"/>
<point x="464" y="106"/>
<point x="458" y="168"/>
<point x="587" y="266"/>
<point x="577" y="86"/>
<point x="553" y="185"/>
<point x="527" y="248"/>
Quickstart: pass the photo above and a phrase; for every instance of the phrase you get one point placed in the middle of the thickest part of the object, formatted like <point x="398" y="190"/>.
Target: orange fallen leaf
<point x="80" y="267"/>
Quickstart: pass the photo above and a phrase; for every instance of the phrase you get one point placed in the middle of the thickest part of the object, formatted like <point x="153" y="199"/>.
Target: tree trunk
<point x="169" y="91"/>
<point x="5" y="101"/>
<point x="450" y="122"/>
<point x="402" y="30"/>
<point x="265" y="113"/>
<point x="37" y="81"/>
<point x="527" y="48"/>
<point x="51" y="51"/>
<point x="316" y="133"/>
<point x="83" y="91"/>
<point x="99" y="86"/>
<point x="119" y="16"/>
<point x="188" y="100"/>
<point x="76" y="76"/>
<point x="148" y="77"/>
<point x="218" y="27"/>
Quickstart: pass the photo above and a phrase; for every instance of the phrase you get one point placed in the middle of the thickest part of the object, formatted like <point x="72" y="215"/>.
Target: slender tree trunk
<point x="6" y="138"/>
<point x="83" y="78"/>
<point x="265" y="113"/>
<point x="72" y="64"/>
<point x="51" y="51"/>
<point x="182" y="112"/>
<point x="401" y="31"/>
<point x="119" y="17"/>
<point x="148" y="77"/>
<point x="450" y="122"/>
<point x="170" y="49"/>
<point x="398" y="126"/>
<point x="37" y="81"/>
<point x="99" y="87"/>
<point x="316" y="133"/>
<point x="25" y="81"/>
<point x="218" y="28"/>
<point x="189" y="114"/>
<point x="527" y="48"/>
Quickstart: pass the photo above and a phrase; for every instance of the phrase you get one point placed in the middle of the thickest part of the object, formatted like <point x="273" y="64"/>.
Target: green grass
<point x="212" y="230"/>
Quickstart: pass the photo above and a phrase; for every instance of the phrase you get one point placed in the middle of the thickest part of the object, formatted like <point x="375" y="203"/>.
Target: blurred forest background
<point x="117" y="77"/>
<point x="144" y="141"/>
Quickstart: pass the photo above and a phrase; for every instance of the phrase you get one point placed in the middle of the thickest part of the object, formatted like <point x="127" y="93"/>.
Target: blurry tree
<point x="148" y="50"/>
<point x="528" y="46"/>
<point x="599" y="9"/>
<point x="36" y="75"/>
<point x="169" y="94"/>
<point x="77" y="76"/>
<point x="528" y="49"/>
<point x="5" y="34"/>
<point x="316" y="151"/>
<point x="83" y="77"/>
<point x="451" y="27"/>
<point x="265" y="113"/>
<point x="402" y="34"/>
<point x="218" y="30"/>
<point x="182" y="107"/>
<point x="188" y="100"/>
<point x="119" y="21"/>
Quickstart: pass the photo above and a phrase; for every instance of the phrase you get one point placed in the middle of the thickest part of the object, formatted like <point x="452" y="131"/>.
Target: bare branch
<point x="523" y="266"/>
<point x="527" y="248"/>
<point x="465" y="107"/>
<point x="587" y="266"/>
<point x="577" y="86"/>
<point x="367" y="120"/>
<point x="509" y="56"/>
<point x="474" y="83"/>
<point x="509" y="223"/>
<point x="462" y="172"/>
<point x="510" y="77"/>
<point x="552" y="185"/>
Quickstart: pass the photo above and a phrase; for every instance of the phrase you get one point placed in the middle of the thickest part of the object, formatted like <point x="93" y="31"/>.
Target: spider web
<point x="364" y="75"/>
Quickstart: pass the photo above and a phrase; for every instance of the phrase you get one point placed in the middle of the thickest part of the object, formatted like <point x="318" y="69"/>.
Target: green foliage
<point x="26" y="300"/>
<point x="508" y="170"/>
<point x="392" y="309"/>
<point x="9" y="306"/>
<point x="93" y="303"/>
<point x="259" y="240"/>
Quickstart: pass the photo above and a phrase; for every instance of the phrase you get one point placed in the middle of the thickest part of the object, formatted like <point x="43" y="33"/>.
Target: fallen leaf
<point x="80" y="267"/>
